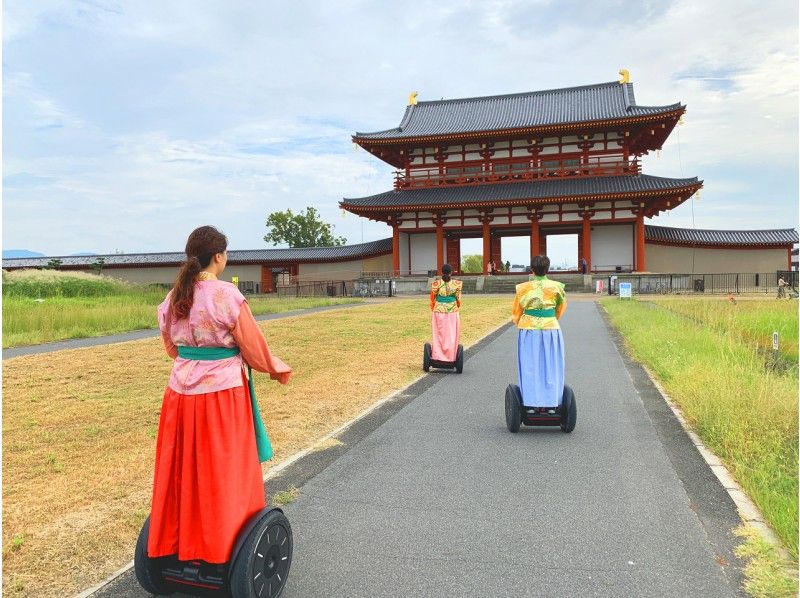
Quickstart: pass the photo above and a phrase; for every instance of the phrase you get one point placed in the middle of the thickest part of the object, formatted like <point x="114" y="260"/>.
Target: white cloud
<point x="163" y="114"/>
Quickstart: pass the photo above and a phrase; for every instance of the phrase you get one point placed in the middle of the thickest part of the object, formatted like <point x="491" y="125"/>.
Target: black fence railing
<point x="712" y="284"/>
<point x="336" y="288"/>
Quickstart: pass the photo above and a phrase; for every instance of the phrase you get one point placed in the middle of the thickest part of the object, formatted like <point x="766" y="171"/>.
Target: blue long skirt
<point x="540" y="356"/>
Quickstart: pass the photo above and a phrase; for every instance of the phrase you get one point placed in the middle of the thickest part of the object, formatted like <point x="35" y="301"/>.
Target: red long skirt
<point x="207" y="476"/>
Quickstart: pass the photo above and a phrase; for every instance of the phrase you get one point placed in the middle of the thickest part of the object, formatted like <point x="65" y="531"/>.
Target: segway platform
<point x="259" y="563"/>
<point x="428" y="363"/>
<point x="517" y="414"/>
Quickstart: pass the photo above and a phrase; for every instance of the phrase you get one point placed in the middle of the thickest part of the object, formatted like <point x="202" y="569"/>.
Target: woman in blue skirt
<point x="538" y="305"/>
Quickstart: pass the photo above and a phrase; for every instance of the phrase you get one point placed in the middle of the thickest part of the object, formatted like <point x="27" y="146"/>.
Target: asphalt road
<point x="439" y="499"/>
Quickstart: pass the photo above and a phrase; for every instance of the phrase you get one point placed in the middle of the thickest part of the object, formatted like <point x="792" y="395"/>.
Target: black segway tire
<point x="460" y="359"/>
<point x="262" y="564"/>
<point x="147" y="573"/>
<point x="426" y="357"/>
<point x="513" y="408"/>
<point x="569" y="410"/>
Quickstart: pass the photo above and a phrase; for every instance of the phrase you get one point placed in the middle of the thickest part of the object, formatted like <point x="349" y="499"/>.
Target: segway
<point x="565" y="415"/>
<point x="428" y="363"/>
<point x="259" y="563"/>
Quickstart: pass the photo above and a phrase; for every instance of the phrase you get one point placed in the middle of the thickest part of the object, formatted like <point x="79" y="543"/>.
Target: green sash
<point x="446" y="299"/>
<point x="216" y="353"/>
<point x="541" y="313"/>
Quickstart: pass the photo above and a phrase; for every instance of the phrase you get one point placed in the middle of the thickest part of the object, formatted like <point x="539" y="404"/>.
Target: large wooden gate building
<point x="561" y="161"/>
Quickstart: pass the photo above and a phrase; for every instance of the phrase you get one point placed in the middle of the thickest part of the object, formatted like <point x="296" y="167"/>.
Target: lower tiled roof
<point x="687" y="236"/>
<point x="242" y="256"/>
<point x="521" y="191"/>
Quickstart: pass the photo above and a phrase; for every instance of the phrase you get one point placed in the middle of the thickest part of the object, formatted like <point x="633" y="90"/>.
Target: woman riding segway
<point x="445" y="352"/>
<point x="208" y="510"/>
<point x="541" y="397"/>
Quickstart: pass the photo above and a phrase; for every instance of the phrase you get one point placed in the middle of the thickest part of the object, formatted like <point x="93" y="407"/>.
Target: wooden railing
<point x="459" y="175"/>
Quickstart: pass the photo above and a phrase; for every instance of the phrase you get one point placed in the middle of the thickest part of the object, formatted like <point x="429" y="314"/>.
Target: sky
<point x="128" y="124"/>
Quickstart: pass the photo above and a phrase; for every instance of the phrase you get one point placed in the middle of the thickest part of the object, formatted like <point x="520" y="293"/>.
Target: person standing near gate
<point x="782" y="284"/>
<point x="583" y="265"/>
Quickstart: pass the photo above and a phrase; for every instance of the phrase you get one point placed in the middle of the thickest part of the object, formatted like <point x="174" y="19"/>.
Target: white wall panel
<point x="612" y="246"/>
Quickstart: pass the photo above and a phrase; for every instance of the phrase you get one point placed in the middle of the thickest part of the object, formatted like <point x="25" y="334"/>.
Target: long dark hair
<point x="201" y="246"/>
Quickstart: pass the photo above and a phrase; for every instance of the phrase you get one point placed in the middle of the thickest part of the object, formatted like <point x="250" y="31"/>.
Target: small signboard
<point x="599" y="287"/>
<point x="774" y="341"/>
<point x="235" y="280"/>
<point x="625" y="290"/>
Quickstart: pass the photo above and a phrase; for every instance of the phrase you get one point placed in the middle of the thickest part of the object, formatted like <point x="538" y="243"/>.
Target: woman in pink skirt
<point x="445" y="304"/>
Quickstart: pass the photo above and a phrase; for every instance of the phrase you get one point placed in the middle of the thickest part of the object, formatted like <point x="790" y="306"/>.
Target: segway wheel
<point x="513" y="408"/>
<point x="263" y="564"/>
<point x="426" y="357"/>
<point x="460" y="359"/>
<point x="569" y="410"/>
<point x="147" y="572"/>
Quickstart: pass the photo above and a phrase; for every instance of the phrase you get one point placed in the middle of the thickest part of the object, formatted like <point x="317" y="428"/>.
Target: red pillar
<point x="266" y="279"/>
<point x="497" y="251"/>
<point x="535" y="241"/>
<point x="396" y="249"/>
<point x="486" y="244"/>
<point x="439" y="244"/>
<point x="587" y="241"/>
<point x="640" y="264"/>
<point x="454" y="253"/>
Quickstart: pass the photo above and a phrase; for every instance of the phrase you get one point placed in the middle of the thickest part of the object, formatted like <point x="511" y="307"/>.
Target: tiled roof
<point x="242" y="256"/>
<point x="687" y="236"/>
<point x="522" y="191"/>
<point x="603" y="101"/>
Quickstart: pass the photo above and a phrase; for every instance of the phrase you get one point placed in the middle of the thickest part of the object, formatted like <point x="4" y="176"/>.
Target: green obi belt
<point x="215" y="354"/>
<point x="541" y="313"/>
<point x="446" y="299"/>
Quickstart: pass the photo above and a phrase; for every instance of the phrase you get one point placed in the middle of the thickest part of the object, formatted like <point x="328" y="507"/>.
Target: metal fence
<point x="374" y="287"/>
<point x="333" y="288"/>
<point x="712" y="284"/>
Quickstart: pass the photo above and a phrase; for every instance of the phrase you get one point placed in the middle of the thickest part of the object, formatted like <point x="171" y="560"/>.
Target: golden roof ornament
<point x="412" y="98"/>
<point x="626" y="76"/>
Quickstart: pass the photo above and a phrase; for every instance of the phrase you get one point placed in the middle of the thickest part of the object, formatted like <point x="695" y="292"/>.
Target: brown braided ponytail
<point x="201" y="246"/>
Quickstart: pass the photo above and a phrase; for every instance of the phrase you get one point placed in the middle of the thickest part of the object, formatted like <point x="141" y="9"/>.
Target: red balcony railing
<point x="464" y="174"/>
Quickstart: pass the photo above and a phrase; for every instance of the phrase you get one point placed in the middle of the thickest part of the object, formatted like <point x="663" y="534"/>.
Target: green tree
<point x="472" y="264"/>
<point x="300" y="230"/>
<point x="98" y="265"/>
<point x="53" y="264"/>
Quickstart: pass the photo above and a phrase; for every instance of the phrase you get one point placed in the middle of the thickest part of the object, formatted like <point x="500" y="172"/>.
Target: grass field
<point x="79" y="428"/>
<point x="709" y="356"/>
<point x="46" y="306"/>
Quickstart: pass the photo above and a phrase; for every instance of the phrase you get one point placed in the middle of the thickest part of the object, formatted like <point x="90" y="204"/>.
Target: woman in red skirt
<point x="208" y="478"/>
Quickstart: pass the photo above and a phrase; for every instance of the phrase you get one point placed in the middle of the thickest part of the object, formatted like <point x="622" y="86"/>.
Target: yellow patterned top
<point x="539" y="293"/>
<point x="446" y="296"/>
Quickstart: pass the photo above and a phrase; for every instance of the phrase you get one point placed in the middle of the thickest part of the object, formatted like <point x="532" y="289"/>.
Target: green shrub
<point x="41" y="284"/>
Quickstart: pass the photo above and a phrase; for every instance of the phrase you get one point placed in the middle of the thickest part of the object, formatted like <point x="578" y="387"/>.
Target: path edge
<point x="748" y="512"/>
<point x="314" y="447"/>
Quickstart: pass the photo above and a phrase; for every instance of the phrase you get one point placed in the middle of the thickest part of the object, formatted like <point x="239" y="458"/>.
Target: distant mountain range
<point x="11" y="253"/>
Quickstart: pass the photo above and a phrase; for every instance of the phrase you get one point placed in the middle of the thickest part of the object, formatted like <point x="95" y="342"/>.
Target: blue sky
<point x="128" y="124"/>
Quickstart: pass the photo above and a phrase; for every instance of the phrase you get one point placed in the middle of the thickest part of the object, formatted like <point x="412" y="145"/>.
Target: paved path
<point x="136" y="335"/>
<point x="441" y="500"/>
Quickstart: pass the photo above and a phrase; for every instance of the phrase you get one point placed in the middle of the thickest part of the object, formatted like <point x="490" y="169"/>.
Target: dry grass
<point x="79" y="428"/>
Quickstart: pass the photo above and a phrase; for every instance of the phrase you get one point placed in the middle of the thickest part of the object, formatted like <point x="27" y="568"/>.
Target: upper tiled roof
<point x="603" y="101"/>
<point x="242" y="256"/>
<point x="687" y="236"/>
<point x="544" y="189"/>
